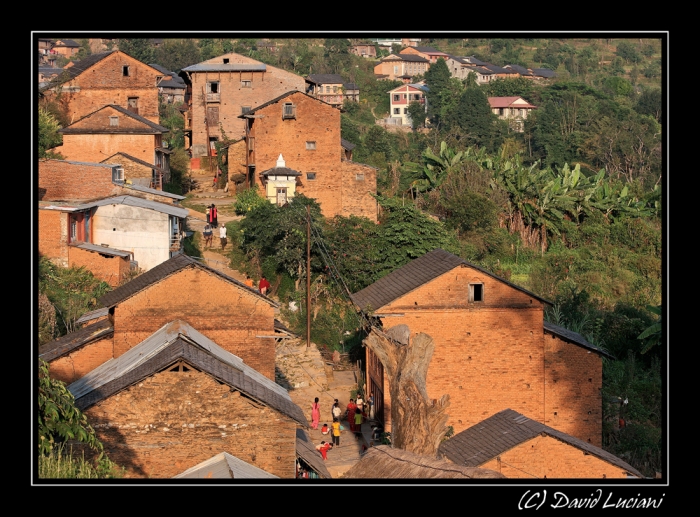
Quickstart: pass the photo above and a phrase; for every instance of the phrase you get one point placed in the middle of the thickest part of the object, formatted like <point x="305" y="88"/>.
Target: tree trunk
<point x="417" y="422"/>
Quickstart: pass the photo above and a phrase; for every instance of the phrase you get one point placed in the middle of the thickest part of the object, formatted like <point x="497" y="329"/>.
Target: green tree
<point x="473" y="115"/>
<point x="437" y="79"/>
<point x="417" y="114"/>
<point x="628" y="51"/>
<point x="519" y="86"/>
<point x="49" y="137"/>
<point x="176" y="54"/>
<point x="649" y="103"/>
<point x="138" y="48"/>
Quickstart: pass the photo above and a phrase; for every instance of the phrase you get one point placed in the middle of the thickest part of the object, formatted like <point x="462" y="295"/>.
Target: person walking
<point x="214" y="216"/>
<point x="358" y="423"/>
<point x="335" y="426"/>
<point x="208" y="235"/>
<point x="335" y="410"/>
<point x="222" y="236"/>
<point x="351" y="414"/>
<point x="264" y="285"/>
<point x="370" y="401"/>
<point x="249" y="281"/>
<point x="315" y="413"/>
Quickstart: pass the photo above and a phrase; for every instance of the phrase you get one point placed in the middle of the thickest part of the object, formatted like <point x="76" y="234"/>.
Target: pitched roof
<point x="277" y="99"/>
<point x="507" y="102"/>
<point x="575" y="338"/>
<point x="544" y="72"/>
<point x="506" y="430"/>
<point x="224" y="466"/>
<point x="306" y="450"/>
<point x="164" y="270"/>
<point x="65" y="344"/>
<point x="498" y="69"/>
<point x="347" y="144"/>
<point x="139" y="202"/>
<point x="152" y="127"/>
<point x="387" y="463"/>
<point x="137" y="160"/>
<point x="102" y="249"/>
<point x="141" y="188"/>
<point x="520" y="69"/>
<point x="413" y="275"/>
<point x="226" y="67"/>
<point x="280" y="171"/>
<point x="91" y="315"/>
<point x="324" y="78"/>
<point x="66" y="43"/>
<point x="178" y="340"/>
<point x="351" y="86"/>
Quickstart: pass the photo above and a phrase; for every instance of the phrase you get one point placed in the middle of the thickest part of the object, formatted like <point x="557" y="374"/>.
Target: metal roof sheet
<point x="140" y="203"/>
<point x="91" y="315"/>
<point x="224" y="466"/>
<point x="102" y="249"/>
<point x="574" y="337"/>
<point x="149" y="190"/>
<point x="65" y="344"/>
<point x="221" y="67"/>
<point x="306" y="450"/>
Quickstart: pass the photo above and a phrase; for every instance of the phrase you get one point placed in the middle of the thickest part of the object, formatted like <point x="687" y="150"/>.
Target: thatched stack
<point x="383" y="462"/>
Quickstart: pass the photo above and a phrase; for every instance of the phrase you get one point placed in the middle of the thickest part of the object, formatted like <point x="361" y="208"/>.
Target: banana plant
<point x="437" y="167"/>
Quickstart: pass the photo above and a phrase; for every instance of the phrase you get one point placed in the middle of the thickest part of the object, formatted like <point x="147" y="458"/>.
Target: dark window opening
<point x="310" y="175"/>
<point x="125" y="71"/>
<point x="476" y="292"/>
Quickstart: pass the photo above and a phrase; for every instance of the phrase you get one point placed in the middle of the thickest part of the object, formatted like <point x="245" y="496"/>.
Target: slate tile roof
<point x="139" y="202"/>
<point x="506" y="430"/>
<point x="163" y="270"/>
<point x="324" y="78"/>
<point x="346" y="144"/>
<point x="140" y="162"/>
<point x="413" y="275"/>
<point x="574" y="337"/>
<point x="151" y="127"/>
<point x="74" y="340"/>
<point x="277" y="99"/>
<point x="96" y="248"/>
<point x="544" y="72"/>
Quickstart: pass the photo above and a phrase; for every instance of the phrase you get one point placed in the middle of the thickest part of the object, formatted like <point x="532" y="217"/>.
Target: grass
<point x="62" y="464"/>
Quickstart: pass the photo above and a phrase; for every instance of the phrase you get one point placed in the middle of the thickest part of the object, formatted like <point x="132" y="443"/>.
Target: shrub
<point x="248" y="200"/>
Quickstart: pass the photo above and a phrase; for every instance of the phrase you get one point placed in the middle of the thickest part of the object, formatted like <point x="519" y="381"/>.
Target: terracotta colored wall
<point x="97" y="147"/>
<point x="544" y="456"/>
<point x="61" y="181"/>
<point x="69" y="368"/>
<point x="53" y="235"/>
<point x="172" y="421"/>
<point x="111" y="269"/>
<point x="223" y="312"/>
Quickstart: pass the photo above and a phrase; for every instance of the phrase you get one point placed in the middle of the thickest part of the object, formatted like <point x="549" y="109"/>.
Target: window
<point x="73" y="230"/>
<point x="405" y="111"/>
<point x="328" y="89"/>
<point x="113" y="121"/>
<point x="396" y="96"/>
<point x="226" y="61"/>
<point x="289" y="110"/>
<point x="246" y="84"/>
<point x="133" y="105"/>
<point x="500" y="111"/>
<point x="310" y="175"/>
<point x="476" y="292"/>
<point x="117" y="175"/>
<point x="310" y="146"/>
<point x="125" y="71"/>
<point x="245" y="109"/>
<point x="213" y="87"/>
<point x="335" y="89"/>
<point x="360" y="177"/>
<point x="397" y="111"/>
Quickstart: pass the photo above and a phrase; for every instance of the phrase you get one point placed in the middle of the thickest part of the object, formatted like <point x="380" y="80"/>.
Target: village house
<point x="513" y="109"/>
<point x="429" y="53"/>
<point x="220" y="89"/>
<point x="518" y="447"/>
<point x="401" y="96"/>
<point x="389" y="42"/>
<point x="171" y="87"/>
<point x="139" y="172"/>
<point x="326" y="87"/>
<point x="113" y="129"/>
<point x="364" y="50"/>
<point x="351" y="92"/>
<point x="401" y="66"/>
<point x="306" y="132"/>
<point x="176" y="398"/>
<point x="65" y="47"/>
<point x="493" y="349"/>
<point x="109" y="78"/>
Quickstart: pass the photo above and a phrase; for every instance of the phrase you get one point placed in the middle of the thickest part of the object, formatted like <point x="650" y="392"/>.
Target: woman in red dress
<point x="351" y="414"/>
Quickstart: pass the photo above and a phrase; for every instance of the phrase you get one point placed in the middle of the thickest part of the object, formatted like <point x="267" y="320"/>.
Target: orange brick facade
<point x="53" y="235"/>
<point x="310" y="143"/>
<point x="71" y="367"/>
<point x="547" y="457"/>
<point x="227" y="314"/>
<point x="492" y="355"/>
<point x="172" y="421"/>
<point x="60" y="180"/>
<point x="108" y="268"/>
<point x="106" y="83"/>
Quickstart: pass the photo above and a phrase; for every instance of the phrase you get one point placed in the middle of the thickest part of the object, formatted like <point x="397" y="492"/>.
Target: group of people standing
<point x="263" y="286"/>
<point x="356" y="414"/>
<point x="212" y="214"/>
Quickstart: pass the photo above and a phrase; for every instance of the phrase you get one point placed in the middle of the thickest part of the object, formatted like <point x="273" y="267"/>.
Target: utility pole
<point x="308" y="277"/>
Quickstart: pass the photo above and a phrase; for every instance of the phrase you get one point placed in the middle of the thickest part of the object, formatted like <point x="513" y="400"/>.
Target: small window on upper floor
<point x="125" y="71"/>
<point x="245" y="109"/>
<point x="476" y="292"/>
<point x="310" y="175"/>
<point x="360" y="177"/>
<point x="310" y="146"/>
<point x="397" y="96"/>
<point x="289" y="110"/>
<point x="246" y="84"/>
<point x="226" y="61"/>
<point x="113" y="121"/>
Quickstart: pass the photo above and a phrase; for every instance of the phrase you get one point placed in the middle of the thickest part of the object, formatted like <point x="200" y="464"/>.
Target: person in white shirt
<point x="222" y="236"/>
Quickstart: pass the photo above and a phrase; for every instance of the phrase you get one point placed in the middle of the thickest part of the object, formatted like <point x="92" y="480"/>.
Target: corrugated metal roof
<point x="221" y="67"/>
<point x="65" y="344"/>
<point x="97" y="313"/>
<point x="134" y="159"/>
<point x="102" y="249"/>
<point x="140" y="203"/>
<point x="506" y="430"/>
<point x="120" y="372"/>
<point x="574" y="337"/>
<point x="306" y="450"/>
<point x="224" y="466"/>
<point x="149" y="190"/>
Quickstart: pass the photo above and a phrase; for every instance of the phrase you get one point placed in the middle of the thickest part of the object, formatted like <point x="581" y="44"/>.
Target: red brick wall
<point x="544" y="456"/>
<point x="53" y="235"/>
<point x="225" y="313"/>
<point x="104" y="83"/>
<point x="109" y="268"/>
<point x="69" y="368"/>
<point x="573" y="402"/>
<point x="60" y="181"/>
<point x="97" y="147"/>
<point x="172" y="421"/>
<point x="131" y="168"/>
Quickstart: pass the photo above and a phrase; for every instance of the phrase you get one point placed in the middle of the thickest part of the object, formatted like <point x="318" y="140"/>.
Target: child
<point x="358" y="423"/>
<point x="324" y="429"/>
<point x="323" y="448"/>
<point x="336" y="432"/>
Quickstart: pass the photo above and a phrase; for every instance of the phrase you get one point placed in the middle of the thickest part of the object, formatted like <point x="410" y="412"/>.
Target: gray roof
<point x="149" y="190"/>
<point x="520" y="69"/>
<point x="544" y="72"/>
<point x="282" y="330"/>
<point x="80" y="66"/>
<point x="139" y="202"/>
<point x="152" y="127"/>
<point x="178" y="340"/>
<point x="498" y="69"/>
<point x="346" y="144"/>
<point x="575" y="338"/>
<point x="230" y="67"/>
<point x="277" y="99"/>
<point x="306" y="450"/>
<point x="473" y="60"/>
<point x="280" y="171"/>
<point x="102" y="249"/>
<point x="137" y="160"/>
<point x="324" y="78"/>
<point x="506" y="430"/>
<point x="406" y="57"/>
<point x="91" y="315"/>
<point x="413" y="275"/>
<point x="351" y="86"/>
<point x="224" y="466"/>
<point x="423" y="87"/>
<point x="65" y="344"/>
<point x="165" y="269"/>
<point x="67" y="43"/>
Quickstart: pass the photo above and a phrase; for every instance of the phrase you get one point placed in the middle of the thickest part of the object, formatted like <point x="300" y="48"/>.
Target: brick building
<point x="429" y="53"/>
<point x="109" y="78"/>
<point x="177" y="398"/>
<point x="326" y="87"/>
<point x="307" y="132"/>
<point x="220" y="89"/>
<point x="518" y="447"/>
<point x="401" y="67"/>
<point x="112" y="129"/>
<point x="493" y="349"/>
<point x="139" y="172"/>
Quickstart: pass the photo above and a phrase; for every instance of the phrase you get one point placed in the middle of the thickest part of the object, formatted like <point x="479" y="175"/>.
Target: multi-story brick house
<point x="66" y="47"/>
<point x="513" y="109"/>
<point x="364" y="50"/>
<point x="493" y="349"/>
<point x="518" y="447"/>
<point x="326" y="87"/>
<point x="306" y="131"/>
<point x="401" y="66"/>
<point x="401" y="96"/>
<point x="429" y="53"/>
<point x="171" y="87"/>
<point x="109" y="78"/>
<point x="220" y="89"/>
<point x="113" y="129"/>
<point x="177" y="397"/>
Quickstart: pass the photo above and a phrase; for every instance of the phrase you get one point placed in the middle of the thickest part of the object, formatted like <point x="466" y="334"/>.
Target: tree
<point x="437" y="79"/>
<point x="417" y="114"/>
<point x="176" y="54"/>
<point x="628" y="51"/>
<point x="138" y="48"/>
<point x="473" y="115"/>
<point x="49" y="137"/>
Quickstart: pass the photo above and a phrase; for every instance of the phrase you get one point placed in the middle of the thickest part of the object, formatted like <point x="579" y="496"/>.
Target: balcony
<point x="213" y="97"/>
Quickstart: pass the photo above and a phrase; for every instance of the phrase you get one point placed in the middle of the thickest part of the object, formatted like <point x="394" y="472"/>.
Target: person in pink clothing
<point x="315" y="413"/>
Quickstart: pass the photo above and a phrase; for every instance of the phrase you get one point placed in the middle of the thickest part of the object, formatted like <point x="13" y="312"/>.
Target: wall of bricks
<point x="63" y="181"/>
<point x="71" y="367"/>
<point x="97" y="147"/>
<point x="573" y="401"/>
<point x="172" y="421"/>
<point x="265" y="86"/>
<point x="53" y="235"/>
<point x="108" y="268"/>
<point x="104" y="83"/>
<point x="132" y="169"/>
<point x="544" y="456"/>
<point x="227" y="314"/>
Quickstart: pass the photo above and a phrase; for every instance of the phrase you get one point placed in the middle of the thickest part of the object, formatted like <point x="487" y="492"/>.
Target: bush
<point x="248" y="200"/>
